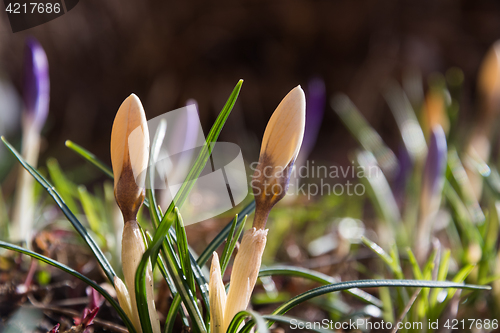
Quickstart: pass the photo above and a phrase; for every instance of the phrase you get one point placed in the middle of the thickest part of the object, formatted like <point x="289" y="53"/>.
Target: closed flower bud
<point x="124" y="300"/>
<point x="217" y="295"/>
<point x="489" y="84"/>
<point x="245" y="272"/>
<point x="280" y="146"/>
<point x="129" y="155"/>
<point x="435" y="109"/>
<point x="129" y="158"/>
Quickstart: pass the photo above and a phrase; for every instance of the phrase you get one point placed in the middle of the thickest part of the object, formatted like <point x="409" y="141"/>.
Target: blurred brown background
<point x="169" y="51"/>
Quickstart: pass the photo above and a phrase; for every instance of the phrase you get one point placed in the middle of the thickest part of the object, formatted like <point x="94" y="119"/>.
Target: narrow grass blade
<point x="442" y="273"/>
<point x="381" y="193"/>
<point x="89" y="207"/>
<point x="66" y="189"/>
<point x="172" y="313"/>
<point x="226" y="246"/>
<point x="417" y="273"/>
<point x="469" y="232"/>
<point x="89" y="157"/>
<point x="183" y="251"/>
<point x="101" y="259"/>
<point x="468" y="196"/>
<point x="217" y="241"/>
<point x="388" y="308"/>
<point x="239" y="318"/>
<point x="317" y="277"/>
<point x="409" y="127"/>
<point x="459" y="278"/>
<point x="369" y="284"/>
<point x="231" y="242"/>
<point x="393" y="266"/>
<point x="76" y="274"/>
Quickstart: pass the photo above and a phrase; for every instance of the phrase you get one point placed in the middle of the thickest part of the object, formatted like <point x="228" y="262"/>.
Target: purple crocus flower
<point x="433" y="181"/>
<point x="435" y="165"/>
<point x="405" y="168"/>
<point x="315" y="107"/>
<point x="36" y="87"/>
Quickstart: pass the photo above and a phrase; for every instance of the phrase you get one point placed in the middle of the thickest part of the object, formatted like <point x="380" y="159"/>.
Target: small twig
<point x="71" y="301"/>
<point x="406" y="309"/>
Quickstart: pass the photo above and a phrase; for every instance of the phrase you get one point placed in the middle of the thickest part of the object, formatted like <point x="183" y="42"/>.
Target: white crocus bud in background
<point x="488" y="86"/>
<point x="280" y="146"/>
<point x="217" y="296"/>
<point x="488" y="83"/>
<point x="129" y="158"/>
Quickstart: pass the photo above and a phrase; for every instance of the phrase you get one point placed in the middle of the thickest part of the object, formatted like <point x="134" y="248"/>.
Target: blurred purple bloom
<point x="191" y="125"/>
<point x="405" y="167"/>
<point x="435" y="165"/>
<point x="36" y="87"/>
<point x="315" y="107"/>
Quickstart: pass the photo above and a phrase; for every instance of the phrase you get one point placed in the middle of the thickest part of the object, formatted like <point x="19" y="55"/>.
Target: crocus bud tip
<point x="280" y="146"/>
<point x="129" y="155"/>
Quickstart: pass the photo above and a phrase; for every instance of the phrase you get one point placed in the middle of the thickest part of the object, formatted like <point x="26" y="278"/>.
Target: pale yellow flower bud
<point x="245" y="272"/>
<point x="132" y="250"/>
<point x="129" y="158"/>
<point x="124" y="300"/>
<point x="129" y="155"/>
<point x="285" y="130"/>
<point x="280" y="146"/>
<point x="217" y="294"/>
<point x="489" y="82"/>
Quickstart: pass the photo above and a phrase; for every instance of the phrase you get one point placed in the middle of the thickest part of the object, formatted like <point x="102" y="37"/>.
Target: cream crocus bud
<point x="129" y="158"/>
<point x="245" y="272"/>
<point x="124" y="300"/>
<point x="129" y="155"/>
<point x="280" y="146"/>
<point x="489" y="83"/>
<point x="435" y="109"/>
<point x="217" y="296"/>
<point x="132" y="250"/>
